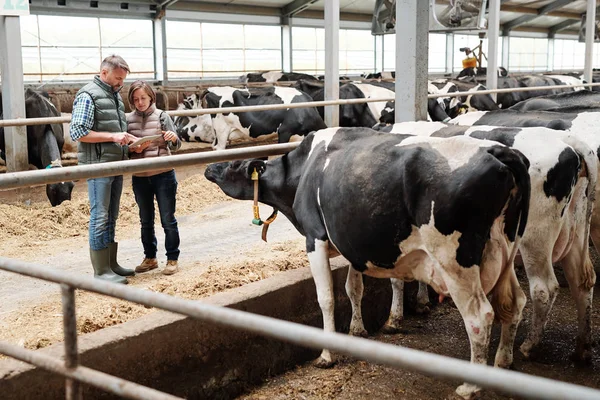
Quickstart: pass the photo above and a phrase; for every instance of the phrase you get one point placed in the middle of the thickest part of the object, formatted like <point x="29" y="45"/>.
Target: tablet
<point x="145" y="139"/>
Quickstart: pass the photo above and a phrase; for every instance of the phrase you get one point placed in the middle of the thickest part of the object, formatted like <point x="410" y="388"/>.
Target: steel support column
<point x="506" y="52"/>
<point x="590" y="31"/>
<point x="13" y="104"/>
<point x="449" y="53"/>
<point x="550" y="59"/>
<point x="286" y="45"/>
<point x="412" y="52"/>
<point x="332" y="60"/>
<point x="160" y="49"/>
<point x="493" y="33"/>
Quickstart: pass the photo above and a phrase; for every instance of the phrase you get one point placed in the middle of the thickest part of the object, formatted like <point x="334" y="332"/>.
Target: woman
<point x="147" y="121"/>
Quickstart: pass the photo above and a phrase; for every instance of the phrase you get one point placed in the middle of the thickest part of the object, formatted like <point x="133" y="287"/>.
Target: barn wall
<point x="195" y="359"/>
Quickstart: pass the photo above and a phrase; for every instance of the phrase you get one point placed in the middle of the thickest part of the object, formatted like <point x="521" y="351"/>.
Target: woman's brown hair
<point x="140" y="85"/>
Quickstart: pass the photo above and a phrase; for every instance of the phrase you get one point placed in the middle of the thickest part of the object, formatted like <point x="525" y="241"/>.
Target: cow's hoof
<point x="468" y="391"/>
<point x="422" y="309"/>
<point x="359" y="333"/>
<point x="322" y="363"/>
<point x="525" y="349"/>
<point x="390" y="329"/>
<point x="583" y="357"/>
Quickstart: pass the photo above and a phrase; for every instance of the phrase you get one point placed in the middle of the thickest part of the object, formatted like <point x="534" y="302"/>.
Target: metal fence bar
<point x="202" y="111"/>
<point x="91" y="377"/>
<point x="510" y="382"/>
<point x="14" y="180"/>
<point x="72" y="386"/>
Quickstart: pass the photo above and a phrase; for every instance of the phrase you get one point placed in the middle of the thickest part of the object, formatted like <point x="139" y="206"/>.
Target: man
<point x="99" y="125"/>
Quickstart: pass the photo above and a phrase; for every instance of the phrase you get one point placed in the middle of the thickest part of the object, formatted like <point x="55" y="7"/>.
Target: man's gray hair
<point x="114" y="61"/>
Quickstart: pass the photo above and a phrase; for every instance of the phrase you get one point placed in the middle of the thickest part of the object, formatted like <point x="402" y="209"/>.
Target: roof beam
<point x="508" y="26"/>
<point x="295" y="7"/>
<point x="560" y="26"/>
<point x="530" y="10"/>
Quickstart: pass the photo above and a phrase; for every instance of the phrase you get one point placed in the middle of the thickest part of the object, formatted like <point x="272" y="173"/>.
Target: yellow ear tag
<point x="254" y="175"/>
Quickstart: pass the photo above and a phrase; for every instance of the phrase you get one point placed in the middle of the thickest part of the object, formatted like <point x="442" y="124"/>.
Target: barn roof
<point x="543" y="18"/>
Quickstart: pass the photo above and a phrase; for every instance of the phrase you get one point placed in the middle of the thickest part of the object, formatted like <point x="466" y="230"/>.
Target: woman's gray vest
<point x="109" y="116"/>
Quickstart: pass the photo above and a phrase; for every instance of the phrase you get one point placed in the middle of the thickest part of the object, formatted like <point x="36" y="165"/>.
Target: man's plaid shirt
<point x="82" y="120"/>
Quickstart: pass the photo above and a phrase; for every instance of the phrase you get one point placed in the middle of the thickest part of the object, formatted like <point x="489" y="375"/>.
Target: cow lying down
<point x="563" y="173"/>
<point x="448" y="212"/>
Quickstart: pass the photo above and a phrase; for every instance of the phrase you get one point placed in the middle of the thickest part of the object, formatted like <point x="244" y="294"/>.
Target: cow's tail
<point x="503" y="296"/>
<point x="589" y="169"/>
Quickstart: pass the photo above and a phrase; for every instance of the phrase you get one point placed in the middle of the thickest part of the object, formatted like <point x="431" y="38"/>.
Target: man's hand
<point x="169" y="135"/>
<point x="123" y="138"/>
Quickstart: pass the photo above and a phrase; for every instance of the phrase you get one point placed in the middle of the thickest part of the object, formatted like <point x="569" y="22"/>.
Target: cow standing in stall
<point x="287" y="124"/>
<point x="445" y="211"/>
<point x="44" y="143"/>
<point x="563" y="171"/>
<point x="275" y="76"/>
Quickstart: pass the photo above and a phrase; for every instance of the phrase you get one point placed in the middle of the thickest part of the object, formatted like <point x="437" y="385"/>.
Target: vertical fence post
<point x="72" y="386"/>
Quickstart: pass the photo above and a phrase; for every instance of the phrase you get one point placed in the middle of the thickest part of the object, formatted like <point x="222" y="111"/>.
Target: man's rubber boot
<point x="114" y="265"/>
<point x="100" y="262"/>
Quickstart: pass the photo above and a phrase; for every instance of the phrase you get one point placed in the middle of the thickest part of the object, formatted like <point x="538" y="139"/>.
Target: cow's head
<point x="235" y="177"/>
<point x="59" y="192"/>
<point x="198" y="128"/>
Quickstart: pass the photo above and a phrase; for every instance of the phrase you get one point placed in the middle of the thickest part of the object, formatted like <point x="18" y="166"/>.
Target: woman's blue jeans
<point x="164" y="187"/>
<point x="104" y="195"/>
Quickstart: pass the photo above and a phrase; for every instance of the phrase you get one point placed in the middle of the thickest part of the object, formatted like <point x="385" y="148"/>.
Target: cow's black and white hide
<point x="275" y="76"/>
<point x="455" y="106"/>
<point x="288" y="124"/>
<point x="563" y="172"/>
<point x="472" y="72"/>
<point x="570" y="102"/>
<point x="508" y="99"/>
<point x="369" y="114"/>
<point x="447" y="212"/>
<point x="197" y="128"/>
<point x="44" y="143"/>
<point x="380" y="75"/>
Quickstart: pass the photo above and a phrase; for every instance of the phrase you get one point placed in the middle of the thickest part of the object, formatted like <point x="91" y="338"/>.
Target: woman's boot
<point x="114" y="265"/>
<point x="100" y="262"/>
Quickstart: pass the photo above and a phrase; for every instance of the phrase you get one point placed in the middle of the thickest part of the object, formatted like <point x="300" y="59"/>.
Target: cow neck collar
<point x="148" y="111"/>
<point x="257" y="221"/>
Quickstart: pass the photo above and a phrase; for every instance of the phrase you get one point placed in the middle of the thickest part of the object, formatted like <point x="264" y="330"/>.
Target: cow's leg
<point x="392" y="325"/>
<point x="595" y="226"/>
<point x="321" y="272"/>
<point x="504" y="354"/>
<point x="580" y="274"/>
<point x="478" y="316"/>
<point x="543" y="288"/>
<point x="222" y="132"/>
<point x="423" y="299"/>
<point x="354" y="290"/>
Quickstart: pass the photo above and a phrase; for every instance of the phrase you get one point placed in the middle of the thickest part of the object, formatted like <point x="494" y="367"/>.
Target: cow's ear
<point x="258" y="165"/>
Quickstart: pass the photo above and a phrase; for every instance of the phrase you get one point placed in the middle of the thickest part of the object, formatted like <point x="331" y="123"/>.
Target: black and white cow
<point x="44" y="143"/>
<point x="472" y="72"/>
<point x="563" y="172"/>
<point x="197" y="128"/>
<point x="368" y="114"/>
<point x="508" y="99"/>
<point x="571" y="102"/>
<point x="288" y="124"/>
<point x="380" y="75"/>
<point x="275" y="76"/>
<point x="472" y="102"/>
<point x="448" y="212"/>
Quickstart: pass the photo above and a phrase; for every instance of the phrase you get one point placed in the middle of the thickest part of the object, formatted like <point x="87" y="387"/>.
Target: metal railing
<point x="510" y="382"/>
<point x="506" y="381"/>
<point x="201" y="111"/>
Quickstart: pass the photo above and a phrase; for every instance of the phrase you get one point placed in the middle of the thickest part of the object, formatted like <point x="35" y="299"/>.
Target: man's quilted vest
<point x="109" y="116"/>
<point x="147" y="123"/>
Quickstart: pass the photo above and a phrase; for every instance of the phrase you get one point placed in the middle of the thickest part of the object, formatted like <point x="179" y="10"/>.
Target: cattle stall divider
<point x="510" y="382"/>
<point x="201" y="111"/>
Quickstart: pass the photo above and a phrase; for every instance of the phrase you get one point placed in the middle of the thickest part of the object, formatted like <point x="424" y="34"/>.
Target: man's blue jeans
<point x="105" y="196"/>
<point x="164" y="187"/>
